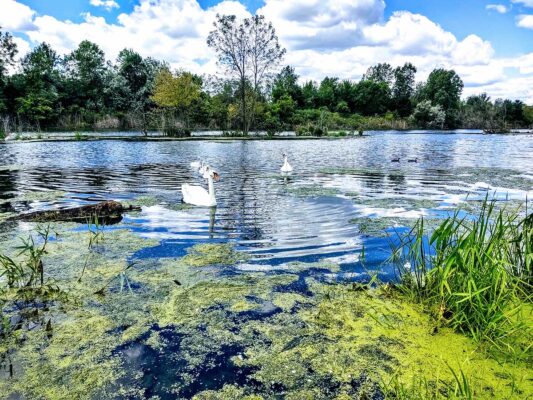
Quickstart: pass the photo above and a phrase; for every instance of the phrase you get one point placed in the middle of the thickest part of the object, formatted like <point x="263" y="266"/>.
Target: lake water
<point x="237" y="325"/>
<point x="342" y="196"/>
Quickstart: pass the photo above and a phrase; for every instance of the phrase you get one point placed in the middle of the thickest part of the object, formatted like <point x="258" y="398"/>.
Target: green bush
<point x="319" y="131"/>
<point x="301" y="130"/>
<point x="177" y="132"/>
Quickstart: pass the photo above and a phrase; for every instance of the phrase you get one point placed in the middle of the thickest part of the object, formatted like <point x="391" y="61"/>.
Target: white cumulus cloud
<point x="525" y="3"/>
<point x="525" y="21"/>
<point x="499" y="8"/>
<point x="323" y="38"/>
<point x="15" y="16"/>
<point x="322" y="24"/>
<point x="107" y="4"/>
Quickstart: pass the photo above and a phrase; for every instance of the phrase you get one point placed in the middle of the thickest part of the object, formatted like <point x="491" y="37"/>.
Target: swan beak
<point x="216" y="176"/>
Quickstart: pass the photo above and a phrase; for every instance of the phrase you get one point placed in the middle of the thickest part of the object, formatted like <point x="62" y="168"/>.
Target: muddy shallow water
<point x="239" y="301"/>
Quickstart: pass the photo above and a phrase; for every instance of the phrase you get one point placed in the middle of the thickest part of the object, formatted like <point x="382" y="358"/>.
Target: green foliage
<point x="8" y="51"/>
<point x="24" y="273"/>
<point x="474" y="275"/>
<point x="248" y="50"/>
<point x="80" y="136"/>
<point x="83" y="91"/>
<point x="528" y="114"/>
<point x="175" y="90"/>
<point x="443" y="88"/>
<point x="371" y="97"/>
<point x="403" y="89"/>
<point x="427" y="115"/>
<point x="423" y="389"/>
<point x="286" y="84"/>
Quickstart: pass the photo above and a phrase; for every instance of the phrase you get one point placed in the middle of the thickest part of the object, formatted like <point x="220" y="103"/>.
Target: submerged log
<point x="105" y="212"/>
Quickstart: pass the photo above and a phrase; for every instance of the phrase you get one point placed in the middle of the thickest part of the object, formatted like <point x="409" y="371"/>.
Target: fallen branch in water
<point x="107" y="212"/>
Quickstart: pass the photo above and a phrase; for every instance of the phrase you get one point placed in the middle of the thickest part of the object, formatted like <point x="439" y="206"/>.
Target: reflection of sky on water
<point x="273" y="218"/>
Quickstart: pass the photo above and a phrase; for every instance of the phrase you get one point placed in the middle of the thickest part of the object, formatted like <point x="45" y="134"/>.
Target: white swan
<point x="203" y="169"/>
<point x="197" y="195"/>
<point x="196" y="164"/>
<point x="286" y="167"/>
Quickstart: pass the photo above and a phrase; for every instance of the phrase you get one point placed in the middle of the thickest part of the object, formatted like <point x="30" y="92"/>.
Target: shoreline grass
<point x="474" y="275"/>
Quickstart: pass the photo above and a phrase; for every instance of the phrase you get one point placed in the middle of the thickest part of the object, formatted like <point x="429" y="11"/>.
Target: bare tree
<point x="249" y="50"/>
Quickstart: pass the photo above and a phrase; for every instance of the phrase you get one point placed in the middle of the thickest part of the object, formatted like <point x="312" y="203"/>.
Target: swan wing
<point x="286" y="167"/>
<point x="196" y="164"/>
<point x="195" y="195"/>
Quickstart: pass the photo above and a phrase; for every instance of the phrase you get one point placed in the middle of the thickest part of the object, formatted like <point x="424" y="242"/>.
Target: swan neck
<point x="211" y="187"/>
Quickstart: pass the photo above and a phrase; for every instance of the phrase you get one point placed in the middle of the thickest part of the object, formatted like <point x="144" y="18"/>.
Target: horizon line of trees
<point x="84" y="91"/>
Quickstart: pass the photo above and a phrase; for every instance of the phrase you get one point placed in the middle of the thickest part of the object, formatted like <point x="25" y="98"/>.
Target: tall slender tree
<point x="8" y="51"/>
<point x="249" y="50"/>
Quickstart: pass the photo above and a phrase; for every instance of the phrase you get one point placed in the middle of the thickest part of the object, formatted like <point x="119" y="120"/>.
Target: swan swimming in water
<point x="197" y="195"/>
<point x="286" y="167"/>
<point x="203" y="169"/>
<point x="199" y="166"/>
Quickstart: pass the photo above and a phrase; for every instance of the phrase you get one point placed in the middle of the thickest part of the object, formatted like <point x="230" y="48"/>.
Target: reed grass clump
<point x="423" y="389"/>
<point x="474" y="273"/>
<point x="24" y="273"/>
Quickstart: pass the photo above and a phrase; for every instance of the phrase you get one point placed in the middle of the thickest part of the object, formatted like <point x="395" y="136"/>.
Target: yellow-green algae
<point x="42" y="195"/>
<point x="352" y="334"/>
<point x="205" y="254"/>
<point x="337" y="343"/>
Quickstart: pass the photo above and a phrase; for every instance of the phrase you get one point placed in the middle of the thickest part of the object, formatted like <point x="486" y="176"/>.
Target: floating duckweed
<point x="297" y="266"/>
<point x="244" y="305"/>
<point x="74" y="363"/>
<point x="206" y="254"/>
<point x="380" y="227"/>
<point x="348" y="335"/>
<point x="187" y="305"/>
<point x="409" y="203"/>
<point x="228" y="392"/>
<point x="312" y="191"/>
<point x="331" y="343"/>
<point x="287" y="301"/>
<point x="45" y="195"/>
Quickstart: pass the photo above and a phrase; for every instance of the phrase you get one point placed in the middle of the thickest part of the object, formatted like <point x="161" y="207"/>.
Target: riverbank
<point x="201" y="136"/>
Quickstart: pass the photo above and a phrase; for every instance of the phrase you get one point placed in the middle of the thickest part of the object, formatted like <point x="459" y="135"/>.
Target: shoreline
<point x="122" y="136"/>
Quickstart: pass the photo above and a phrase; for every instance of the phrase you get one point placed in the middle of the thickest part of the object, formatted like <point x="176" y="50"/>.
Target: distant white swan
<point x="203" y="169"/>
<point x="286" y="167"/>
<point x="197" y="195"/>
<point x="196" y="164"/>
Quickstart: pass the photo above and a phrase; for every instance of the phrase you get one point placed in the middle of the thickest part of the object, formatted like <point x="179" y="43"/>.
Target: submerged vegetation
<point x="141" y="328"/>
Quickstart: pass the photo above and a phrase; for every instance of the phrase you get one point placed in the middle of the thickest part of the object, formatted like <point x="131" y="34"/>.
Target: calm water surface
<point x="317" y="213"/>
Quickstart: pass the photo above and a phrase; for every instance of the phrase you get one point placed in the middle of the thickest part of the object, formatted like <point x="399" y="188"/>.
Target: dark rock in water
<point x="105" y="212"/>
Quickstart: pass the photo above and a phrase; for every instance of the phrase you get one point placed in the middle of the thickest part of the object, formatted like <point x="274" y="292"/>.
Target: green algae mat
<point x="110" y="326"/>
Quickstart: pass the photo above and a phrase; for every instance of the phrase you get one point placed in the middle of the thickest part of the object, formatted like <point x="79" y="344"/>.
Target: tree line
<point x="84" y="91"/>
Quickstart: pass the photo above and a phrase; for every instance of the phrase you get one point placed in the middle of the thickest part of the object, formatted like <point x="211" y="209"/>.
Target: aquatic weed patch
<point x="202" y="255"/>
<point x="350" y="339"/>
<point x="311" y="191"/>
<point x="190" y="332"/>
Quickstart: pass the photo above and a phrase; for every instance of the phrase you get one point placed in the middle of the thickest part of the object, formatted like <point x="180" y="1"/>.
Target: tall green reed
<point x="460" y="388"/>
<point x="28" y="272"/>
<point x="474" y="273"/>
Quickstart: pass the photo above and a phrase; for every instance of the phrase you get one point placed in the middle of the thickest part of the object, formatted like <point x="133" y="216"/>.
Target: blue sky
<point x="490" y="46"/>
<point x="461" y="17"/>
